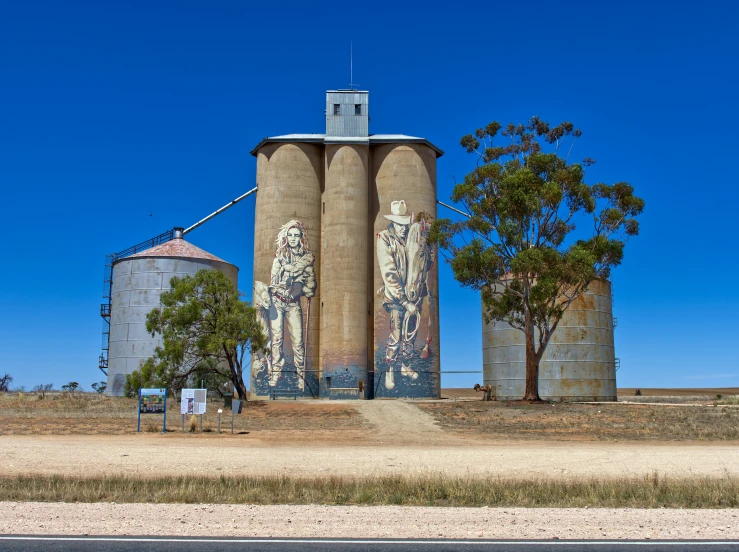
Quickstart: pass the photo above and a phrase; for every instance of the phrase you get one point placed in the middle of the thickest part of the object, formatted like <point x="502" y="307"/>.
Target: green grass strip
<point x="646" y="492"/>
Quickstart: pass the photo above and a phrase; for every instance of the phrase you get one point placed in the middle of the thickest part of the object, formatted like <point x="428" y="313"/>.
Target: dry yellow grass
<point x="562" y="421"/>
<point x="645" y="492"/>
<point x="92" y="414"/>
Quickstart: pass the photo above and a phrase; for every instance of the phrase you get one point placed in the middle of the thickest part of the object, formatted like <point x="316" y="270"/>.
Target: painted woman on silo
<point x="293" y="277"/>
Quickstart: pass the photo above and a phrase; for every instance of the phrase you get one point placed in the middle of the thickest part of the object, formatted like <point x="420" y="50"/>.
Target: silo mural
<point x="287" y="268"/>
<point x="348" y="294"/>
<point x="404" y="259"/>
<point x="406" y="305"/>
<point x="281" y="304"/>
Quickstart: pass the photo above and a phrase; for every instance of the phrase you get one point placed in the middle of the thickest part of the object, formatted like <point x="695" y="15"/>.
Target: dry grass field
<point x="580" y="422"/>
<point x="651" y="491"/>
<point x="460" y="417"/>
<point x="88" y="414"/>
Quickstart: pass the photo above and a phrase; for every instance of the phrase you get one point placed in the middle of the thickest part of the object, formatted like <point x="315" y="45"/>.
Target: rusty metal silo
<point x="579" y="363"/>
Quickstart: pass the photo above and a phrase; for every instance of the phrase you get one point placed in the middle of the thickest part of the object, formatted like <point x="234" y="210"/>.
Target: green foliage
<point x="5" y="382"/>
<point x="100" y="387"/>
<point x="71" y="387"/>
<point x="206" y="331"/>
<point x="519" y="247"/>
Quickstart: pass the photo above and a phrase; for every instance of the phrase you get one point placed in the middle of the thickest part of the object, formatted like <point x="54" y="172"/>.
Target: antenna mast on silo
<point x="351" y="65"/>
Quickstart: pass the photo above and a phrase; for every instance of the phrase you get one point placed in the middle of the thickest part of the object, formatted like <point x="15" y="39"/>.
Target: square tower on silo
<point x="347" y="113"/>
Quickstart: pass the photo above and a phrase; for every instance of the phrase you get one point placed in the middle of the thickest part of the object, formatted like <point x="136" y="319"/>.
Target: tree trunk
<point x="239" y="384"/>
<point x="532" y="362"/>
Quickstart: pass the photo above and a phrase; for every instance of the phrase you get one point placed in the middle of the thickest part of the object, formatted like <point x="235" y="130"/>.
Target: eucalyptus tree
<point x="206" y="330"/>
<point x="537" y="234"/>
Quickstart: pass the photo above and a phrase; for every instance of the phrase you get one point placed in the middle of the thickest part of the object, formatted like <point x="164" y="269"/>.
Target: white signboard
<point x="193" y="401"/>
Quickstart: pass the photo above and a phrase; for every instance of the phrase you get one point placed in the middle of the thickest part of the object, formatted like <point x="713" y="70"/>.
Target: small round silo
<point x="405" y="342"/>
<point x="287" y="258"/>
<point x="578" y="364"/>
<point x="138" y="283"/>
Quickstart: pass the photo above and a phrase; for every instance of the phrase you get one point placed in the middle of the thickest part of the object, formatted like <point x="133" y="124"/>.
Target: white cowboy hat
<point x="399" y="210"/>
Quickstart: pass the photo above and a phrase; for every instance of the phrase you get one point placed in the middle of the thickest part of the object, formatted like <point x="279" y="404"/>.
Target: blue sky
<point x="121" y="120"/>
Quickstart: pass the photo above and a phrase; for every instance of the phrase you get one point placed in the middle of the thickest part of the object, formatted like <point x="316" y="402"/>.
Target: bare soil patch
<point x="562" y="421"/>
<point x="711" y="392"/>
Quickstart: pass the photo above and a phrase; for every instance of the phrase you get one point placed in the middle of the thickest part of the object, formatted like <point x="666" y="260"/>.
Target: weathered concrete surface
<point x="344" y="295"/>
<point x="404" y="172"/>
<point x="289" y="177"/>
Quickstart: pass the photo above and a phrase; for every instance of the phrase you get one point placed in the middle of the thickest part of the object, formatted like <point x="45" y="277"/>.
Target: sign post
<point x="152" y="401"/>
<point x="235" y="409"/>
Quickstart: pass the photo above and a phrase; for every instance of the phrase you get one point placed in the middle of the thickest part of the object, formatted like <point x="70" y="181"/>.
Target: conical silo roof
<point x="178" y="248"/>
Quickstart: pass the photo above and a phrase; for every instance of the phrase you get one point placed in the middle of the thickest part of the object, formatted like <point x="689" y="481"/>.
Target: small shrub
<point x="193" y="423"/>
<point x="151" y="427"/>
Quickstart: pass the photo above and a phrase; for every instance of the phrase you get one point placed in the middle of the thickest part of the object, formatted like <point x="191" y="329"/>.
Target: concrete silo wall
<point x="405" y="270"/>
<point x="289" y="178"/>
<point x="344" y="295"/>
<point x="579" y="363"/>
<point x="138" y="283"/>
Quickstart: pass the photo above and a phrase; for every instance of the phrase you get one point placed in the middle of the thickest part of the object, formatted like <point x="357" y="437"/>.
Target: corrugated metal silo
<point x="405" y="344"/>
<point x="138" y="282"/>
<point x="579" y="363"/>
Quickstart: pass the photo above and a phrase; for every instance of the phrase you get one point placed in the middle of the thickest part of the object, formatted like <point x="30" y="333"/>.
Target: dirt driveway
<point x="150" y="454"/>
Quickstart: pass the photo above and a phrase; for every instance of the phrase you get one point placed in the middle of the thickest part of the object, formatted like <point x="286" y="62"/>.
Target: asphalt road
<point x="115" y="544"/>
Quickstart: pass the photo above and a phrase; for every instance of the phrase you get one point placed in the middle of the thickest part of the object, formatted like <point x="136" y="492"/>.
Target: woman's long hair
<point x="283" y="250"/>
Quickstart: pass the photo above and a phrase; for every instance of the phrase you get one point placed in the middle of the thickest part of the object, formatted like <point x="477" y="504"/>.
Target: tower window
<point x="357" y="109"/>
<point x="337" y="109"/>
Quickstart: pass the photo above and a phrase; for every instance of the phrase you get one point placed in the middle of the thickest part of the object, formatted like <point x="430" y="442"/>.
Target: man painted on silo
<point x="292" y="277"/>
<point x="404" y="259"/>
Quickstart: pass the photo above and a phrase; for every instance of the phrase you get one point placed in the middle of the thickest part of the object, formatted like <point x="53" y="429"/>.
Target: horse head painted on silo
<point x="418" y="258"/>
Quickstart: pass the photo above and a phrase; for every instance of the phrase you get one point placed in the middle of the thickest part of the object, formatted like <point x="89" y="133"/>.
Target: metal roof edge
<point x="320" y="138"/>
<point x="409" y="140"/>
<point x="285" y="140"/>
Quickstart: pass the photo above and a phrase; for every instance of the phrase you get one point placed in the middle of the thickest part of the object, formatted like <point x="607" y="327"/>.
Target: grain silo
<point x="288" y="217"/>
<point x="137" y="283"/>
<point x="405" y="344"/>
<point x="578" y="364"/>
<point x="335" y="237"/>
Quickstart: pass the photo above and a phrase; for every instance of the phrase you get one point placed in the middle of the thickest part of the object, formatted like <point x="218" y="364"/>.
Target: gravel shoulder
<point x="33" y="518"/>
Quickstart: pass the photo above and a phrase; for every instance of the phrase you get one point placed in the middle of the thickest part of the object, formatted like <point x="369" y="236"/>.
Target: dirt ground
<point x="33" y="518"/>
<point x="460" y="419"/>
<point x="86" y="414"/>
<point x="96" y="435"/>
<point x="587" y="422"/>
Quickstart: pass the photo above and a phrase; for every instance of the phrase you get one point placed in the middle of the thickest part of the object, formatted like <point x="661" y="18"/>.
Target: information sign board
<point x="193" y="401"/>
<point x="152" y="401"/>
